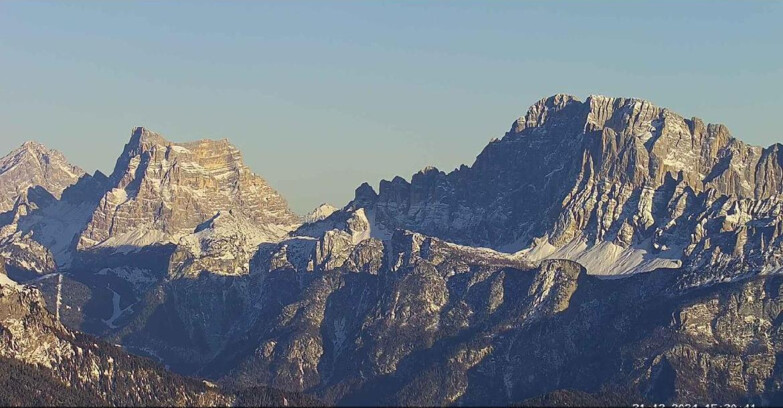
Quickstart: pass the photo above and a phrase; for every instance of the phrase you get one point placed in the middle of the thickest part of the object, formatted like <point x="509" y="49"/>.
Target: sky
<point x="321" y="96"/>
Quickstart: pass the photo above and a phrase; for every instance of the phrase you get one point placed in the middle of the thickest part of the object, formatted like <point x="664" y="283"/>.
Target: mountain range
<point x="604" y="251"/>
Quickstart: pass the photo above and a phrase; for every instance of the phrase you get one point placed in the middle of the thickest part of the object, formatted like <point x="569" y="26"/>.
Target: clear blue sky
<point x="321" y="96"/>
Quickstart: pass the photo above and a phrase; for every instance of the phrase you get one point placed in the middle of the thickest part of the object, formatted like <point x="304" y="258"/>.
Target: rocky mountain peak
<point x="160" y="190"/>
<point x="34" y="165"/>
<point x="617" y="184"/>
<point x="144" y="136"/>
<point x="33" y="146"/>
<point x="32" y="152"/>
<point x="364" y="196"/>
<point x="321" y="212"/>
<point x="540" y="111"/>
<point x="145" y="144"/>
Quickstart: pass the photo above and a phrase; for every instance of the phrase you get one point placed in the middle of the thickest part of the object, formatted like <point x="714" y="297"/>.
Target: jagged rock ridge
<point x="618" y="184"/>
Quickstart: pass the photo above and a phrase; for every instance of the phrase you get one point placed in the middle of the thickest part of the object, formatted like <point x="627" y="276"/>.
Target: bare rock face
<point x="619" y="185"/>
<point x="161" y="191"/>
<point x="34" y="165"/>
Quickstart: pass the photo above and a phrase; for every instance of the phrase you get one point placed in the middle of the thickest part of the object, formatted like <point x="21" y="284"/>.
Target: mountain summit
<point x="617" y="184"/>
<point x="34" y="165"/>
<point x="160" y="190"/>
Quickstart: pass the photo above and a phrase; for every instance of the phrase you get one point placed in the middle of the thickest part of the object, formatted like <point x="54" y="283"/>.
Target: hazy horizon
<point x="320" y="97"/>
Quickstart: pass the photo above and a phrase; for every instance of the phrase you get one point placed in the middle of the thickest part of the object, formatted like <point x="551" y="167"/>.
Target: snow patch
<point x="116" y="312"/>
<point x="606" y="258"/>
<point x="179" y="149"/>
<point x="135" y="240"/>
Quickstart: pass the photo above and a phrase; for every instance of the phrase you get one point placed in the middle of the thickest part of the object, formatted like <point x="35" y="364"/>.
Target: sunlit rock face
<point x="160" y="191"/>
<point x="320" y="212"/>
<point x="34" y="165"/>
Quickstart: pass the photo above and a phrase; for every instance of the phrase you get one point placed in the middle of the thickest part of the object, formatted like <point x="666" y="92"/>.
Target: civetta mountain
<point x="604" y="251"/>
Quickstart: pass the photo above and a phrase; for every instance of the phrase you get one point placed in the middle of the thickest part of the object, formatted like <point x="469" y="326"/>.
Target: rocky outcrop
<point x="160" y="191"/>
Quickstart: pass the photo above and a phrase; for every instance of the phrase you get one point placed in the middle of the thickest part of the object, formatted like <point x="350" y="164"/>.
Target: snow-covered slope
<point x="223" y="245"/>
